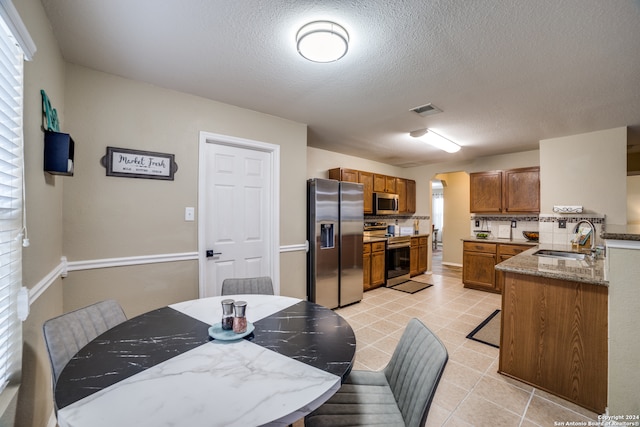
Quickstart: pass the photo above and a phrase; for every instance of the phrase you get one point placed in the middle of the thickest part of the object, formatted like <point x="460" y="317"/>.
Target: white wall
<point x="587" y="170"/>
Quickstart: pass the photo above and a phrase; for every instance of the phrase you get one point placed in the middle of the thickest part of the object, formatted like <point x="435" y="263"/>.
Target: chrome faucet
<point x="593" y="235"/>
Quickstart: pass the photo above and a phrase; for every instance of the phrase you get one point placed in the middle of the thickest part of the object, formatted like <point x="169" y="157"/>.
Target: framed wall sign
<point x="127" y="163"/>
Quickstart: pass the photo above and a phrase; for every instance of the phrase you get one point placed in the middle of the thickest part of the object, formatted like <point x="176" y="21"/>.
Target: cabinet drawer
<point x="415" y="241"/>
<point x="424" y="240"/>
<point x="512" y="249"/>
<point x="480" y="247"/>
<point x="366" y="248"/>
<point x="378" y="246"/>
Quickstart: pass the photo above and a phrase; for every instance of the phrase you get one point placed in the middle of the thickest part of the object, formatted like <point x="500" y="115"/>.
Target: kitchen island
<point x="554" y="325"/>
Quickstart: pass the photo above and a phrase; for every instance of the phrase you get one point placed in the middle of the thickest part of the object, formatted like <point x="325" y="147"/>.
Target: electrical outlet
<point x="189" y="214"/>
<point x="477" y="223"/>
<point x="562" y="223"/>
<point x="514" y="224"/>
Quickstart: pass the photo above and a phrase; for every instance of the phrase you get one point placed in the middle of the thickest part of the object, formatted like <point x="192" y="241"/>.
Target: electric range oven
<point x="398" y="260"/>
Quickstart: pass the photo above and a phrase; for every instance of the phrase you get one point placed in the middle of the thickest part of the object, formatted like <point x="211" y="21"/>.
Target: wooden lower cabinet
<point x="419" y="255"/>
<point x="373" y="265"/>
<point x="479" y="260"/>
<point x="554" y="337"/>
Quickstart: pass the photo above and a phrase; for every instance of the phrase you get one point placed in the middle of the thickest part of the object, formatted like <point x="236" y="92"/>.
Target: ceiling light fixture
<point x="322" y="41"/>
<point x="438" y="141"/>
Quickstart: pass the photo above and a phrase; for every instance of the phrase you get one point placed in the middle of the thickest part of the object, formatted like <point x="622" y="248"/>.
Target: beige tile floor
<point x="471" y="392"/>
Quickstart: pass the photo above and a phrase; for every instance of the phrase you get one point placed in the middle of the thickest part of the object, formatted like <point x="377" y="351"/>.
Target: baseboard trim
<point x="452" y="264"/>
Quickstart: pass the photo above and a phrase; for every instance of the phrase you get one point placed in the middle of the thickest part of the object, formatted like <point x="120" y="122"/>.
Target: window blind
<point x="11" y="202"/>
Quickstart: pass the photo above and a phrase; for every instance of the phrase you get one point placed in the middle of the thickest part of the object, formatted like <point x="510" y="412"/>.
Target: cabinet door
<point x="423" y="257"/>
<point x="485" y="192"/>
<point x="366" y="271"/>
<point x="411" y="196"/>
<point x="401" y="190"/>
<point x="349" y="175"/>
<point x="390" y="184"/>
<point x="522" y="190"/>
<point x="413" y="258"/>
<point x="377" y="268"/>
<point x="478" y="269"/>
<point x="366" y="179"/>
<point x="379" y="183"/>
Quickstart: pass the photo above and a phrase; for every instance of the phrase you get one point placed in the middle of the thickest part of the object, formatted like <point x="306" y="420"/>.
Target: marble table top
<point x="162" y="369"/>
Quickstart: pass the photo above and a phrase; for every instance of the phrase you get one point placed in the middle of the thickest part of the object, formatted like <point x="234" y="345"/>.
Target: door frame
<point x="273" y="201"/>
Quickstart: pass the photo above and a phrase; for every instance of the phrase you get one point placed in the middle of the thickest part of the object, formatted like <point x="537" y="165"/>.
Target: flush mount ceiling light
<point x="438" y="141"/>
<point x="322" y="41"/>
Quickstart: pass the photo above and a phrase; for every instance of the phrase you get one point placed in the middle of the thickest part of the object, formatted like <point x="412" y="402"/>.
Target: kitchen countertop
<point x="621" y="232"/>
<point x="373" y="239"/>
<point x="584" y="271"/>
<point x="384" y="239"/>
<point x="504" y="241"/>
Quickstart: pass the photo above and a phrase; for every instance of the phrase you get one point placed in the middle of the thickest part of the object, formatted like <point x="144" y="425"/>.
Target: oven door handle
<point x="398" y="245"/>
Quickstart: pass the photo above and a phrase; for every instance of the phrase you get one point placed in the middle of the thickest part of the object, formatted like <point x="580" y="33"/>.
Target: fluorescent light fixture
<point x="438" y="141"/>
<point x="322" y="41"/>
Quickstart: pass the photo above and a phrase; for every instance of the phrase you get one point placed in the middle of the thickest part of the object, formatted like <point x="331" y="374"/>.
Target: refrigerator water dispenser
<point x="327" y="238"/>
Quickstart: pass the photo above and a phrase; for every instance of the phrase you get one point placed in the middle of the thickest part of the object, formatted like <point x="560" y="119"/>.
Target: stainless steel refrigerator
<point x="335" y="220"/>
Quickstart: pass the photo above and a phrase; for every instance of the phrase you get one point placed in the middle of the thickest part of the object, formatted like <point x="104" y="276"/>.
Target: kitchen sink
<point x="549" y="253"/>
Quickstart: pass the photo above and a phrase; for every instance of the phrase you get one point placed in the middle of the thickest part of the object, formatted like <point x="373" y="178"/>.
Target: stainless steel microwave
<point x="385" y="204"/>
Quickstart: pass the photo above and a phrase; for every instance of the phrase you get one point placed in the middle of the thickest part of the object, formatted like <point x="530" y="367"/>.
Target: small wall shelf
<point x="58" y="153"/>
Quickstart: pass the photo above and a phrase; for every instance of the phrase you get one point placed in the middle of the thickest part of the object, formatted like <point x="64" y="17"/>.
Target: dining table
<point x="172" y="367"/>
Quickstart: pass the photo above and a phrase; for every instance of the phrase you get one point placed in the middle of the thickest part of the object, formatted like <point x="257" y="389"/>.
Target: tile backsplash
<point x="548" y="225"/>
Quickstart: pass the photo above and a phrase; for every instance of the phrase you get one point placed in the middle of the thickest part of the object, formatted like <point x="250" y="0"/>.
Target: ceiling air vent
<point x="426" y="110"/>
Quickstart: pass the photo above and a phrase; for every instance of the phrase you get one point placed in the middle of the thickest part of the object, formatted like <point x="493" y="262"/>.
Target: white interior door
<point x="237" y="217"/>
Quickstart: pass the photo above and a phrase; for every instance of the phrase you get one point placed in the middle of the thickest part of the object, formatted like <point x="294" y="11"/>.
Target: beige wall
<point x="44" y="214"/>
<point x="133" y="217"/>
<point x="456" y="215"/>
<point x="587" y="170"/>
<point x="633" y="199"/>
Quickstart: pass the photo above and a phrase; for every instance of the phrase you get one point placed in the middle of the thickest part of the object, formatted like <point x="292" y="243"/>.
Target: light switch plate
<point x="189" y="214"/>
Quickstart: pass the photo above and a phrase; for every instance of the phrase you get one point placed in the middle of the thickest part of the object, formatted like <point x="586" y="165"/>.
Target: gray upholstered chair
<point x="66" y="334"/>
<point x="250" y="285"/>
<point x="398" y="395"/>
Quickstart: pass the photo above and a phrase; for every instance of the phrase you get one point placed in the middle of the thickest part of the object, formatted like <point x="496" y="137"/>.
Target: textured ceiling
<point x="505" y="73"/>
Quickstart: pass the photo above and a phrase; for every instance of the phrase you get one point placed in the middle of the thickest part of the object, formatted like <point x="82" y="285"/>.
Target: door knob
<point x="211" y="254"/>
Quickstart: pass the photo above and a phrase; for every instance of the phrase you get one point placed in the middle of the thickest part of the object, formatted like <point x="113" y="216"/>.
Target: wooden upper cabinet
<point x="522" y="190"/>
<point x="508" y="191"/>
<point x="411" y="196"/>
<point x="405" y="188"/>
<point x="348" y="175"/>
<point x="401" y="190"/>
<point x="486" y="192"/>
<point x="366" y="179"/>
<point x="384" y="184"/>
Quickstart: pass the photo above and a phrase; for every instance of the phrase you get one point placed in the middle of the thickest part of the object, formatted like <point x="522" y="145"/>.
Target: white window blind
<point x="11" y="199"/>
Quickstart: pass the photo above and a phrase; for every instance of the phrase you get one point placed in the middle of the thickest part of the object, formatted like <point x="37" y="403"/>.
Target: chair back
<point x="66" y="334"/>
<point x="414" y="371"/>
<point x="250" y="285"/>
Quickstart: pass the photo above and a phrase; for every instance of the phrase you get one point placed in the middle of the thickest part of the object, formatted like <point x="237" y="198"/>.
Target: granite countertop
<point x="384" y="239"/>
<point x="621" y="232"/>
<point x="373" y="239"/>
<point x="585" y="271"/>
<point x="504" y="241"/>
